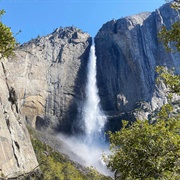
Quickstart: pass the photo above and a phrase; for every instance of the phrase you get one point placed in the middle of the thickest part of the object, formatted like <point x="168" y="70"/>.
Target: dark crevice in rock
<point x="40" y="123"/>
<point x="115" y="28"/>
<point x="4" y="70"/>
<point x="75" y="35"/>
<point x="70" y="94"/>
<point x="17" y="145"/>
<point x="15" y="156"/>
<point x="59" y="57"/>
<point x="8" y="125"/>
<point x="13" y="98"/>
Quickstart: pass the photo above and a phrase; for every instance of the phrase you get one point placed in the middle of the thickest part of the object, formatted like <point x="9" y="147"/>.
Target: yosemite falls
<point x="89" y="146"/>
<point x="93" y="118"/>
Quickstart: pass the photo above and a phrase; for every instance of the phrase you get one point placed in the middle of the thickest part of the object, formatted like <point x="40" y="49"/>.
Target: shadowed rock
<point x="128" y="51"/>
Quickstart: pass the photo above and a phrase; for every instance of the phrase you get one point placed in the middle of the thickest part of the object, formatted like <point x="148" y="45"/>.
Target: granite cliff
<point x="16" y="153"/>
<point x="47" y="75"/>
<point x="126" y="64"/>
<point x="41" y="85"/>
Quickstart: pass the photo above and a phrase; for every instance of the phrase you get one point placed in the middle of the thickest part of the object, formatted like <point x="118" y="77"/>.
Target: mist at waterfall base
<point x="88" y="148"/>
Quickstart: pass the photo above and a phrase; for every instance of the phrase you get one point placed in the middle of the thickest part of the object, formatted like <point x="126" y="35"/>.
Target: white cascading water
<point x="91" y="146"/>
<point x="93" y="118"/>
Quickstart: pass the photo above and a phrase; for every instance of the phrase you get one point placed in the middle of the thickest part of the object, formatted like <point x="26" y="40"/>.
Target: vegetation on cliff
<point x="171" y="37"/>
<point x="7" y="39"/>
<point x="147" y="150"/>
<point x="54" y="165"/>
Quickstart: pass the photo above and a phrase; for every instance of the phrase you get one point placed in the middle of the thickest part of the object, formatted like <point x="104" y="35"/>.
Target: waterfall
<point x="90" y="146"/>
<point x="93" y="118"/>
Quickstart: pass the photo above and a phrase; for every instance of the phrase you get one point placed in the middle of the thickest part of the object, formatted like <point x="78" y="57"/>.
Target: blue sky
<point x="41" y="17"/>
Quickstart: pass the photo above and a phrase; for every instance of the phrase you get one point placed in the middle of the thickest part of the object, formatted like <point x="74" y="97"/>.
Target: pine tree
<point x="7" y="40"/>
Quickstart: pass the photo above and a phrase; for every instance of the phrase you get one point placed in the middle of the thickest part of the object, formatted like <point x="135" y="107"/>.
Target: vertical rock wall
<point x="128" y="51"/>
<point x="16" y="152"/>
<point x="49" y="75"/>
<point x="41" y="85"/>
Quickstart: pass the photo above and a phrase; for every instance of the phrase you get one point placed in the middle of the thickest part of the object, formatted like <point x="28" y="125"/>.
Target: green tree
<point x="147" y="151"/>
<point x="171" y="41"/>
<point x="54" y="165"/>
<point x="151" y="150"/>
<point x="7" y="40"/>
<point x="169" y="78"/>
<point x="171" y="37"/>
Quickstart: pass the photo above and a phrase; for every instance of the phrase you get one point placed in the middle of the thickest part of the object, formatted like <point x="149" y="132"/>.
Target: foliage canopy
<point x="7" y="40"/>
<point x="171" y="37"/>
<point x="147" y="151"/>
<point x="170" y="79"/>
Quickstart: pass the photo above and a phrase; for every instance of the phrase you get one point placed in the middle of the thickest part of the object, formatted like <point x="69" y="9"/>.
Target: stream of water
<point x="93" y="117"/>
<point x="88" y="148"/>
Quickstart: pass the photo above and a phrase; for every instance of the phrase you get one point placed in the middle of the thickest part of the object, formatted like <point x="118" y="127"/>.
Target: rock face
<point x="49" y="75"/>
<point x="16" y="153"/>
<point x="128" y="52"/>
<point x="41" y="85"/>
<point x="44" y="83"/>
